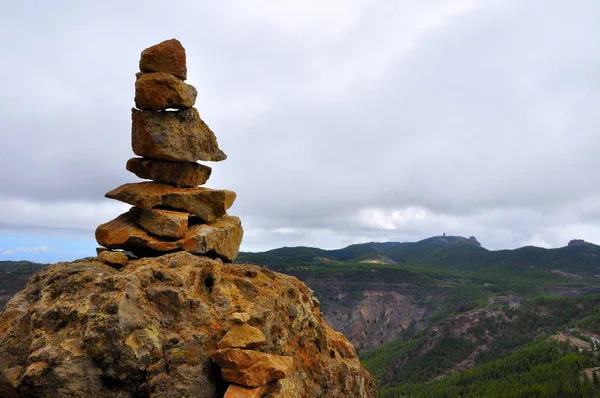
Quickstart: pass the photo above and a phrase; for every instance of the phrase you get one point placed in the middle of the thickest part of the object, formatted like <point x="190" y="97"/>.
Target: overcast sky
<point x="344" y="121"/>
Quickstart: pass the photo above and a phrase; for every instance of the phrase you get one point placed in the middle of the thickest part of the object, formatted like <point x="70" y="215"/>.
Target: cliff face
<point x="149" y="329"/>
<point x="379" y="312"/>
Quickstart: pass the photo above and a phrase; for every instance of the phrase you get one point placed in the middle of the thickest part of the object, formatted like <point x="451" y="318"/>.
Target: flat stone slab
<point x="183" y="174"/>
<point x="166" y="223"/>
<point x="251" y="368"/>
<point x="218" y="239"/>
<point x="242" y="336"/>
<point x="173" y="135"/>
<point x="206" y="203"/>
<point x="156" y="91"/>
<point x="167" y="56"/>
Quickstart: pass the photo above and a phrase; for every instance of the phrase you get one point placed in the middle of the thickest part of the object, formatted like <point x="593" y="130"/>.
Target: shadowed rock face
<point x="149" y="329"/>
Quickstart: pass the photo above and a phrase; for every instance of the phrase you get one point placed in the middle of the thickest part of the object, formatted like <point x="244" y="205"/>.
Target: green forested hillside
<point x="450" y="253"/>
<point x="515" y="350"/>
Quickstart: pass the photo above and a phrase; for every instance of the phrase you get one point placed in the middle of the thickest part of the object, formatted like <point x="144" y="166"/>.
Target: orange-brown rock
<point x="242" y="336"/>
<point x="219" y="239"/>
<point x="147" y="329"/>
<point x="117" y="259"/>
<point x="235" y="391"/>
<point x="252" y="368"/>
<point x="156" y="91"/>
<point x="167" y="57"/>
<point x="183" y="174"/>
<point x="205" y="203"/>
<point x="167" y="223"/>
<point x="173" y="135"/>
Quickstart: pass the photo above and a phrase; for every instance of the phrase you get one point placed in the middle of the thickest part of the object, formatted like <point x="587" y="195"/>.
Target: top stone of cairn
<point x="167" y="57"/>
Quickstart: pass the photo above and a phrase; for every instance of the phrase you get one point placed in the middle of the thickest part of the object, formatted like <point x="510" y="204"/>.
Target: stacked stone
<point x="172" y="212"/>
<point x="243" y="365"/>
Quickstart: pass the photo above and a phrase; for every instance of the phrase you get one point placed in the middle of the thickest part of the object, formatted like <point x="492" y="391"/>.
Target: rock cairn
<point x="171" y="213"/>
<point x="248" y="369"/>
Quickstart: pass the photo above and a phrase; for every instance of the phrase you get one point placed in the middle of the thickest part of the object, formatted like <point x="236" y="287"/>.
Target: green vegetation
<point x="455" y="255"/>
<point x="541" y="369"/>
<point x="519" y="358"/>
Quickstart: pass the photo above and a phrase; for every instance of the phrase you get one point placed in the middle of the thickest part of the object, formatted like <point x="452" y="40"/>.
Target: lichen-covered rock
<point x="86" y="329"/>
<point x="220" y="238"/>
<point x="173" y="135"/>
<point x="183" y="174"/>
<point x="156" y="91"/>
<point x="205" y="203"/>
<point x="167" y="57"/>
<point x="167" y="223"/>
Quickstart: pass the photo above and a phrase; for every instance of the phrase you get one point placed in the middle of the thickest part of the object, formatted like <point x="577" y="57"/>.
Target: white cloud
<point x="22" y="249"/>
<point x="343" y="121"/>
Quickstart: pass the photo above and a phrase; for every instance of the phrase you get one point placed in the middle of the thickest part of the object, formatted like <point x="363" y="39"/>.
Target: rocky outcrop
<point x="171" y="213"/>
<point x="151" y="328"/>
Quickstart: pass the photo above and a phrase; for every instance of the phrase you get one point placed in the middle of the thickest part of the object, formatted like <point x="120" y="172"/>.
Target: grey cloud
<point x="487" y="122"/>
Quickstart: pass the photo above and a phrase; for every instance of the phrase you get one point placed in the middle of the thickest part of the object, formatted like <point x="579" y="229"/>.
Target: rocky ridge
<point x="171" y="213"/>
<point x="177" y="325"/>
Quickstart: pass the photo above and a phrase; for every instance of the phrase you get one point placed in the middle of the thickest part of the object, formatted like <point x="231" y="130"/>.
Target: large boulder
<point x="167" y="57"/>
<point x="87" y="329"/>
<point x="173" y="135"/>
<point x="205" y="203"/>
<point x="220" y="238"/>
<point x="182" y="174"/>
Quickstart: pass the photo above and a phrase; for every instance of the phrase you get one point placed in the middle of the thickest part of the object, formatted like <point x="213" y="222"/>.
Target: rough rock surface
<point x="183" y="174"/>
<point x="219" y="239"/>
<point x="173" y="135"/>
<point x="167" y="57"/>
<point x="86" y="329"/>
<point x="205" y="203"/>
<point x="168" y="223"/>
<point x="252" y="368"/>
<point x="156" y="91"/>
